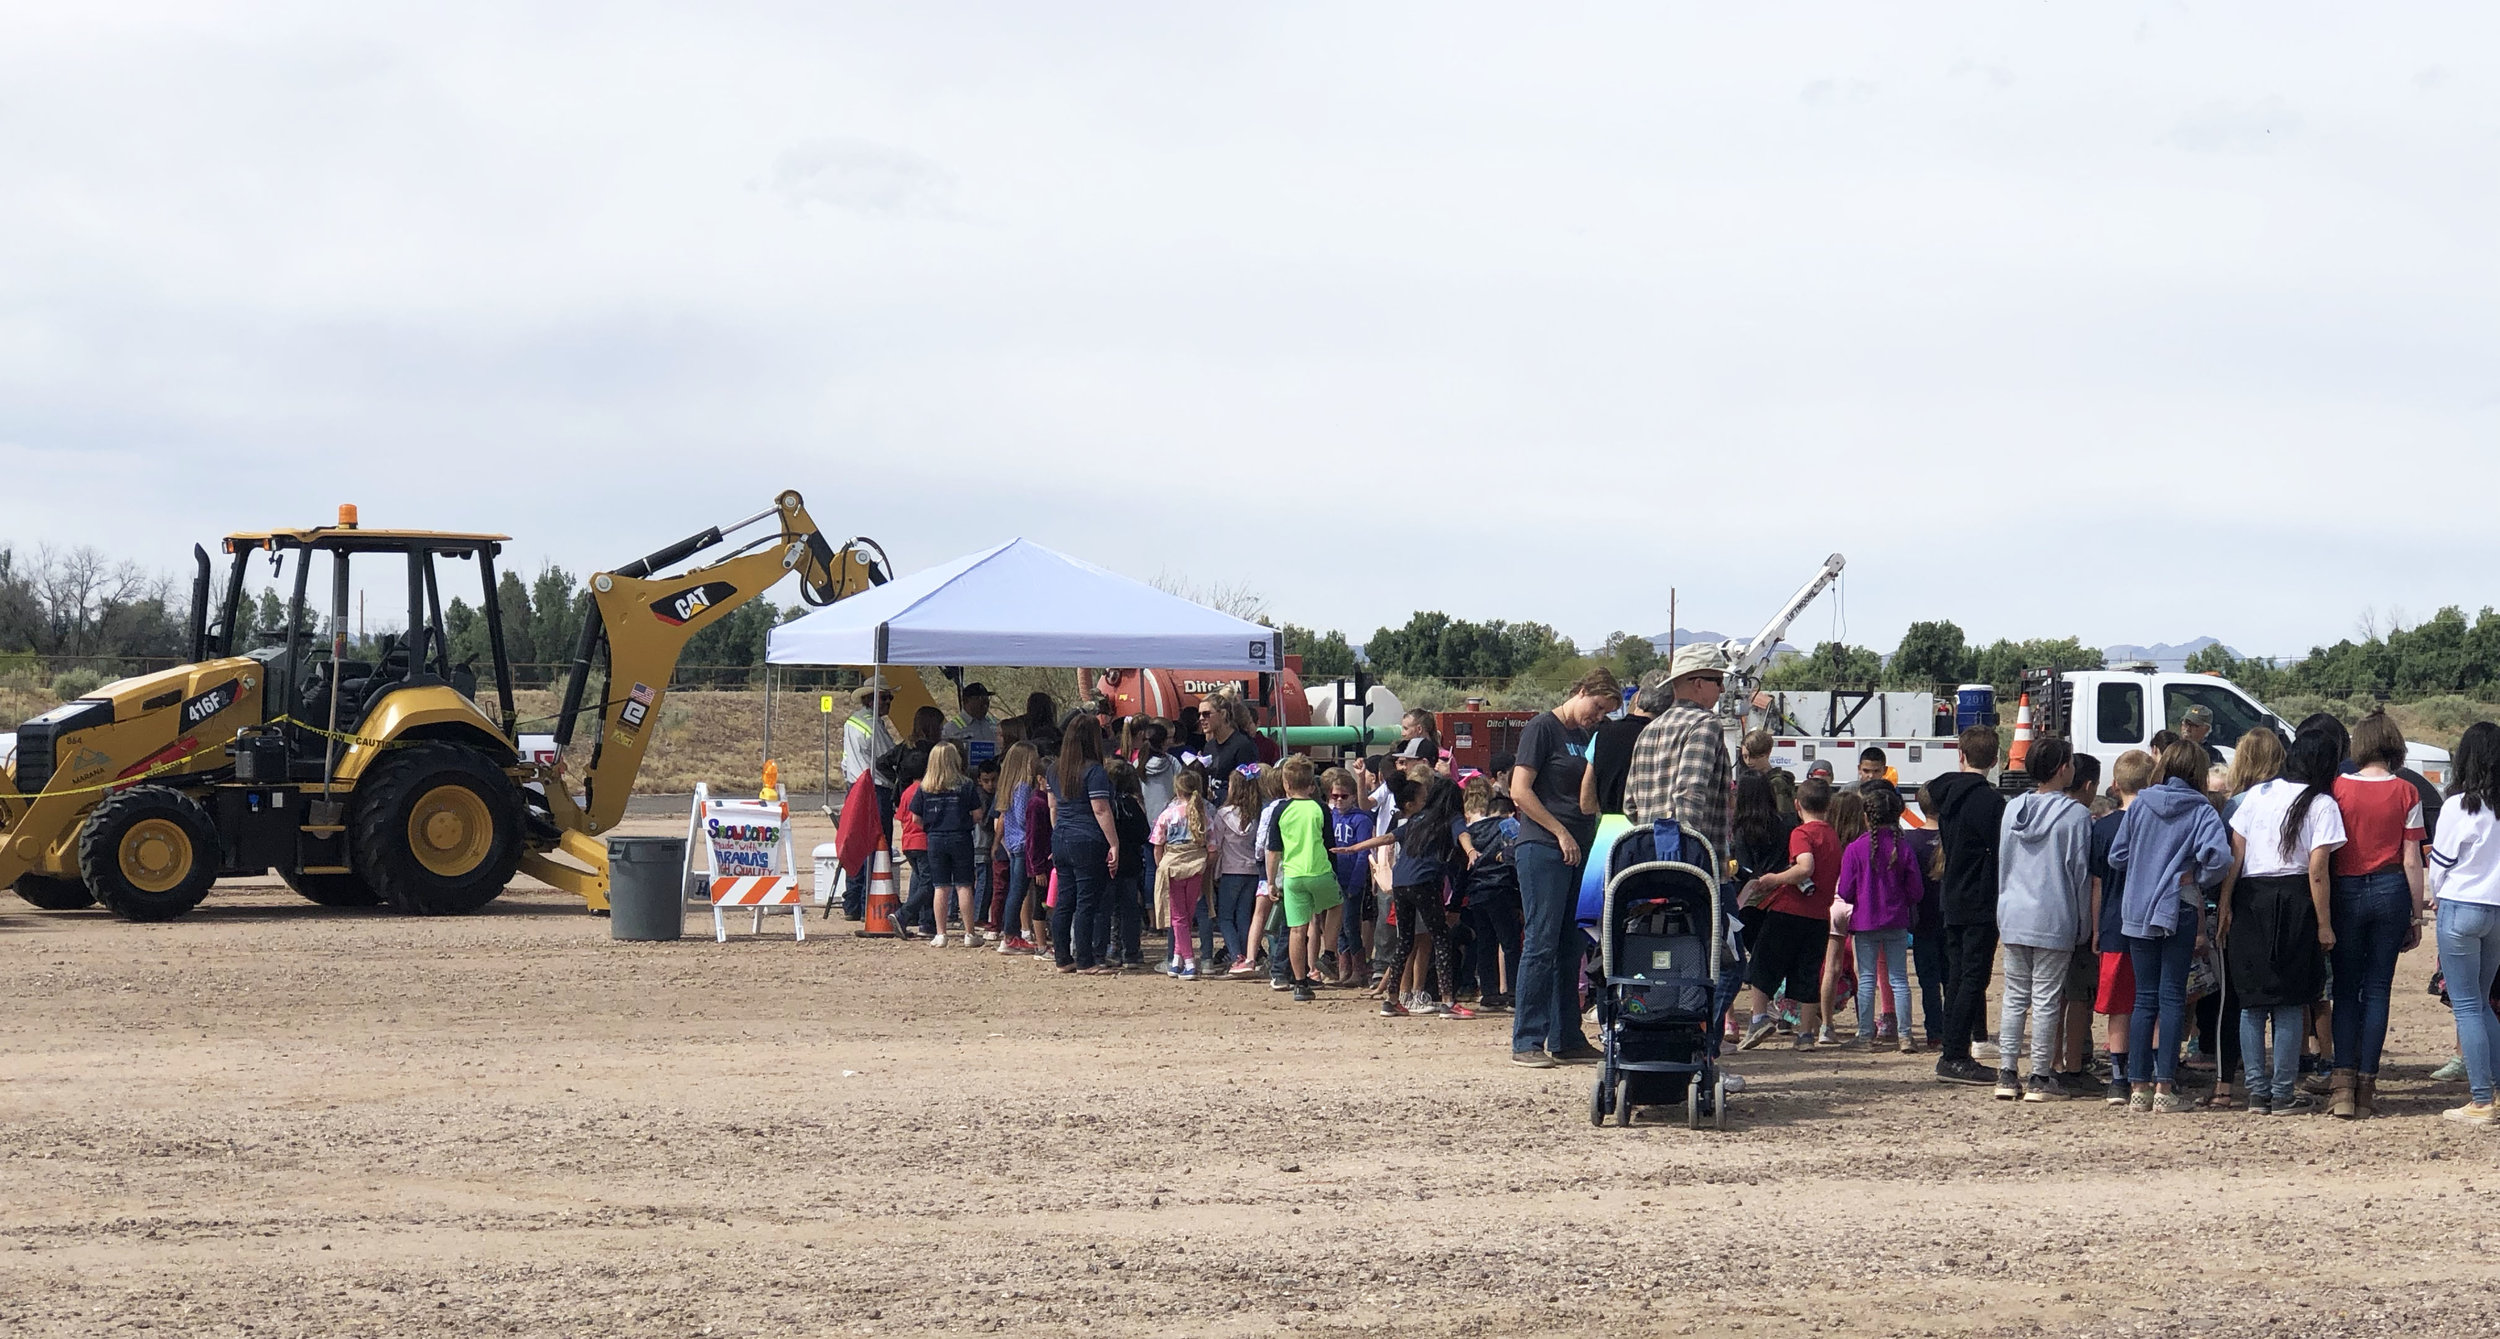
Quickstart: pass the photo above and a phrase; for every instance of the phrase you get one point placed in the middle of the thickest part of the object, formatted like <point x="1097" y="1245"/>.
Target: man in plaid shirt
<point x="1680" y="765"/>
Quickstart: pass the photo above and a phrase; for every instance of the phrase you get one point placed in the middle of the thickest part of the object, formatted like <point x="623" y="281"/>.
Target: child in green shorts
<point x="1298" y="867"/>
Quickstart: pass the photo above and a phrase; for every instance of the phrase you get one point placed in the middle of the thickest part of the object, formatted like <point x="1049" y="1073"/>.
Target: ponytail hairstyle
<point x="1190" y="788"/>
<point x="2375" y="739"/>
<point x="2476" y="775"/>
<point x="1476" y="797"/>
<point x="1883" y="823"/>
<point x="1433" y="820"/>
<point x="2316" y="757"/>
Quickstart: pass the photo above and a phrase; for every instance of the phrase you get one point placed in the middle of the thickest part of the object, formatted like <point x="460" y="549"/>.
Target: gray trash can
<point x="646" y="887"/>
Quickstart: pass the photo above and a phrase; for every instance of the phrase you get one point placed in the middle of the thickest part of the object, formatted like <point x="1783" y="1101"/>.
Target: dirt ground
<point x="272" y="1119"/>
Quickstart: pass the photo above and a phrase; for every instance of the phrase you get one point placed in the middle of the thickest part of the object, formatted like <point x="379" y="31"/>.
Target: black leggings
<point x="1414" y="903"/>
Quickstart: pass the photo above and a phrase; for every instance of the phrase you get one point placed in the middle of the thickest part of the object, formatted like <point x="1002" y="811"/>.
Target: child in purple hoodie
<point x="1880" y="880"/>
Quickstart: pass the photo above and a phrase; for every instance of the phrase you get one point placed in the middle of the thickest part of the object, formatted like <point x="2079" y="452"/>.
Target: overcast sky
<point x="2131" y="322"/>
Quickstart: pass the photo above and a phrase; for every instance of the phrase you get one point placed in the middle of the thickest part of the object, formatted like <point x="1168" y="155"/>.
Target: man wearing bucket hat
<point x="1681" y="770"/>
<point x="1680" y="766"/>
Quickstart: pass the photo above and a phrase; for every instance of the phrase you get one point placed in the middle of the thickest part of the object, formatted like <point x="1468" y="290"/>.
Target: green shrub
<point x="76" y="683"/>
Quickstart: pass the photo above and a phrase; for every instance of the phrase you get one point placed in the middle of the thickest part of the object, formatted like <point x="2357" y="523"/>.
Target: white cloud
<point x="864" y="178"/>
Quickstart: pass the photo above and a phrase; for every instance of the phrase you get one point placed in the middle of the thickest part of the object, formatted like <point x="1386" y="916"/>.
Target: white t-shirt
<point x="2463" y="865"/>
<point x="2259" y="823"/>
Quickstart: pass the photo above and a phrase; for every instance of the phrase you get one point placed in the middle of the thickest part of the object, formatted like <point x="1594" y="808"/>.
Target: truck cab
<point x="2107" y="712"/>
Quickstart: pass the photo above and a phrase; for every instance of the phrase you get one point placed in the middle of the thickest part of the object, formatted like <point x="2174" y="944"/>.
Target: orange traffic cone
<point x="2020" y="758"/>
<point x="882" y="903"/>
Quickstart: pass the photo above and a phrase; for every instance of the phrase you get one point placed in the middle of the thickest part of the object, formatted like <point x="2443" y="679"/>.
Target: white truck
<point x="2101" y="712"/>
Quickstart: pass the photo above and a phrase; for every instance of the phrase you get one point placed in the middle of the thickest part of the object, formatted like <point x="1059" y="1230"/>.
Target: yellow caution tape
<point x="115" y="784"/>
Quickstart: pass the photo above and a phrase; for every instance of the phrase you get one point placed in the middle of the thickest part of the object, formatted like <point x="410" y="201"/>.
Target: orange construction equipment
<point x="2020" y="758"/>
<point x="882" y="903"/>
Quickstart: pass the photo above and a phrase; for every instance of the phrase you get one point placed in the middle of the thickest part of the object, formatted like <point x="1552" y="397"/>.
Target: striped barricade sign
<point x="744" y="850"/>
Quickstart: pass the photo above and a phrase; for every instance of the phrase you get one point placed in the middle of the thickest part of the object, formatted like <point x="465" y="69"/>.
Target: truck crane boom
<point x="1744" y="671"/>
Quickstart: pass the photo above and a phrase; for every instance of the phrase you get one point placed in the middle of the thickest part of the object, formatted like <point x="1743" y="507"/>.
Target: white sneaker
<point x="938" y="940"/>
<point x="1002" y="945"/>
<point x="971" y="940"/>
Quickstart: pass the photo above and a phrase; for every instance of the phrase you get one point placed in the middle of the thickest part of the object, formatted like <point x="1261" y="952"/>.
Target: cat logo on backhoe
<point x="687" y="605"/>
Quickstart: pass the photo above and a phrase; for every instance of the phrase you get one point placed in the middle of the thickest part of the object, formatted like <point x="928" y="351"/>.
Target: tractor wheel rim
<point x="450" y="831"/>
<point x="155" y="855"/>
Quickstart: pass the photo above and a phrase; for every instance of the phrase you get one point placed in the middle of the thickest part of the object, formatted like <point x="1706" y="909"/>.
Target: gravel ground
<point x="272" y="1119"/>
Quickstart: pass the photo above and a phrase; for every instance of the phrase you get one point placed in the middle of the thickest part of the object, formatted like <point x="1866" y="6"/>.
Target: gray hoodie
<point x="1154" y="782"/>
<point x="2044" y="885"/>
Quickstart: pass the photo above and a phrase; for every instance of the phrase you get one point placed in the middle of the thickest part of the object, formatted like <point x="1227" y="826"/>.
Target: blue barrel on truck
<point x="1974" y="704"/>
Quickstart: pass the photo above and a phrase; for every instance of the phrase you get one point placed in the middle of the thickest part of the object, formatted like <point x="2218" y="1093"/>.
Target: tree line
<point x="100" y="617"/>
<point x="82" y="604"/>
<point x="2443" y="655"/>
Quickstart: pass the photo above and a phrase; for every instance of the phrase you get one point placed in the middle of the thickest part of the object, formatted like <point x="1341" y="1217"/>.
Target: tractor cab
<point x="317" y="697"/>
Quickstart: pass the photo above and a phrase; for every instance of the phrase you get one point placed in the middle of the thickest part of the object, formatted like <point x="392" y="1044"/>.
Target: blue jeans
<point x="2276" y="1084"/>
<point x="2161" y="973"/>
<point x="1547" y="1010"/>
<point x="1011" y="921"/>
<point x="2469" y="951"/>
<point x="2371" y="915"/>
<point x="1279" y="944"/>
<point x="984" y="898"/>
<point x="1235" y="895"/>
<point x="918" y="913"/>
<point x="1894" y="945"/>
<point x="1076" y="924"/>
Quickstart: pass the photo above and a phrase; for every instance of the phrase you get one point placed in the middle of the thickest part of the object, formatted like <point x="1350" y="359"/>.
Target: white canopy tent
<point x="1022" y="604"/>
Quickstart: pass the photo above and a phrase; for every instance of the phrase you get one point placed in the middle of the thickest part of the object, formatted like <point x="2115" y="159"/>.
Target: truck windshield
<point x="2234" y="715"/>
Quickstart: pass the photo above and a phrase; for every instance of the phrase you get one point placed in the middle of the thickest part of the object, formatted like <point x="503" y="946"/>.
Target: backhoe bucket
<point x="588" y="879"/>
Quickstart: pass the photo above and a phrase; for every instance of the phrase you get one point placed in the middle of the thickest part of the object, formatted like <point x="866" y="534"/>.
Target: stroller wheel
<point x="1692" y="1103"/>
<point x="1718" y="1104"/>
<point x="1597" y="1102"/>
<point x="1623" y="1103"/>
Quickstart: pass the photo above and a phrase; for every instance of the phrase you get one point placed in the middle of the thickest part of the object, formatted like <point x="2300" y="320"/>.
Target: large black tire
<point x="437" y="829"/>
<point x="149" y="853"/>
<point x="54" y="894"/>
<point x="332" y="890"/>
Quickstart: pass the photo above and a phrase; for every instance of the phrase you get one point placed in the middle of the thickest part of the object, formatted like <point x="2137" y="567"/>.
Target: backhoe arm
<point x="639" y="624"/>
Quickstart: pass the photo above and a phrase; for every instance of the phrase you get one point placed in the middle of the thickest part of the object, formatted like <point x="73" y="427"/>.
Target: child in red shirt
<point x="1795" y="921"/>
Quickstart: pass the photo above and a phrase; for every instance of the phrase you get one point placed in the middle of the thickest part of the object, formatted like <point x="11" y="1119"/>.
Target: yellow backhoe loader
<point x="382" y="783"/>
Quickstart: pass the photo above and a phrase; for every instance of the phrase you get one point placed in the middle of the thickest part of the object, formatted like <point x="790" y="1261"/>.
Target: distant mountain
<point x="2162" y="654"/>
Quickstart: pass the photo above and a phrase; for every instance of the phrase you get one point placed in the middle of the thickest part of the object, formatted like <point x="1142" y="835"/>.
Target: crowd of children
<point x="1392" y="877"/>
<point x="2250" y="915"/>
<point x="2248" y="918"/>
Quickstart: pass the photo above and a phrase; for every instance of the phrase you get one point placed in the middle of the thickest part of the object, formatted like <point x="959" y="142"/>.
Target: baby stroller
<point x="1659" y="941"/>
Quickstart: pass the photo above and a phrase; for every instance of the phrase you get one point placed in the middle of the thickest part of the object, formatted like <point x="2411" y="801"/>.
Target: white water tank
<point x="1386" y="710"/>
